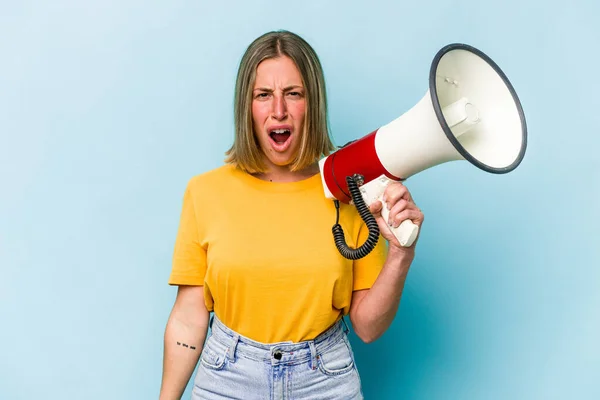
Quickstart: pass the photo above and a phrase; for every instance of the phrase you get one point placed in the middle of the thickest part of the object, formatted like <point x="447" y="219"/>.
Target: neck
<point x="277" y="173"/>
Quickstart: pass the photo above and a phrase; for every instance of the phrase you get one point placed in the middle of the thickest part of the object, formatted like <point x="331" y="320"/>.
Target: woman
<point x="255" y="246"/>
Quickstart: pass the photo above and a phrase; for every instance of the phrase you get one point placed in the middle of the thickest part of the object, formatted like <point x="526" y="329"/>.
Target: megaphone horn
<point x="470" y="112"/>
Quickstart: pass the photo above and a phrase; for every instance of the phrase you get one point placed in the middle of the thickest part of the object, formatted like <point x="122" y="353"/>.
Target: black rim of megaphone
<point x="440" y="115"/>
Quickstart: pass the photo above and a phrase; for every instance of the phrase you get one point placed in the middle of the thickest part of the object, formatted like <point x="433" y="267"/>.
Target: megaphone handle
<point x="407" y="231"/>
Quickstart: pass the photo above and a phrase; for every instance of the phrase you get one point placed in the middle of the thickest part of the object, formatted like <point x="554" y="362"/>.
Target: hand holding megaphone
<point x="374" y="191"/>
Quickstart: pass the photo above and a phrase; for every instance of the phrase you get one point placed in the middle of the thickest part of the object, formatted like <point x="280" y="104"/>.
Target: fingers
<point x="398" y="208"/>
<point x="402" y="205"/>
<point x="412" y="214"/>
<point x="395" y="192"/>
<point x="376" y="208"/>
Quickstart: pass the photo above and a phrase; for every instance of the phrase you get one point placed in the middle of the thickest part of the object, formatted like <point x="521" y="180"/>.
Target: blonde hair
<point x="315" y="141"/>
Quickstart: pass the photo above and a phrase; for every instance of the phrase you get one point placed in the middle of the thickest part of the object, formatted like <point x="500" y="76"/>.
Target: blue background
<point x="107" y="108"/>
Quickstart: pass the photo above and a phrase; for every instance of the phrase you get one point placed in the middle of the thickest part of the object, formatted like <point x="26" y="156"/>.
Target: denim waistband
<point x="283" y="353"/>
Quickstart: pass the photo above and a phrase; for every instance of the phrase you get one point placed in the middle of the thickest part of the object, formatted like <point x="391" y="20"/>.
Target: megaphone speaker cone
<point x="489" y="129"/>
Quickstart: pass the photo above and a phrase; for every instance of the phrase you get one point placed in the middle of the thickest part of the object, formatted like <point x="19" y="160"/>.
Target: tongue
<point x="280" y="137"/>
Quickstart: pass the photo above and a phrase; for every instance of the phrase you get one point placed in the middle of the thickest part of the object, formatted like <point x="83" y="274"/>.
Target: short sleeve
<point x="189" y="257"/>
<point x="367" y="269"/>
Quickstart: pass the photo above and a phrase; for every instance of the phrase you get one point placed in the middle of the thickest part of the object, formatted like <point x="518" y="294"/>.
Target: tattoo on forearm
<point x="185" y="345"/>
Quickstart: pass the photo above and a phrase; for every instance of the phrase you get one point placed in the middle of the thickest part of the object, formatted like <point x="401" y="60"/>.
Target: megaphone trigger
<point x="373" y="191"/>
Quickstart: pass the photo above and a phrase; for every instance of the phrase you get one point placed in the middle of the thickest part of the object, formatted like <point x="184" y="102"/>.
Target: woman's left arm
<point x="373" y="310"/>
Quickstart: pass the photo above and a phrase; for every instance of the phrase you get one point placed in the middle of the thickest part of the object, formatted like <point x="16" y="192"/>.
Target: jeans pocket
<point x="336" y="360"/>
<point x="214" y="355"/>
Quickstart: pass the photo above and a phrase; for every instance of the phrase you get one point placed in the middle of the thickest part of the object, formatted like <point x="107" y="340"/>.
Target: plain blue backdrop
<point x="107" y="108"/>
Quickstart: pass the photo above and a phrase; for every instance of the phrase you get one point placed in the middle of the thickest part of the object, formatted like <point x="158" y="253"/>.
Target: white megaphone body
<point x="470" y="112"/>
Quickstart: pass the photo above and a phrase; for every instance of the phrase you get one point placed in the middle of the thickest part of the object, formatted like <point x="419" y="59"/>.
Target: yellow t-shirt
<point x="265" y="254"/>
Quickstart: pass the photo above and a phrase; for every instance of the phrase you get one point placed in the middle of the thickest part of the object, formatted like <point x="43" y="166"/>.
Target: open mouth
<point x="280" y="136"/>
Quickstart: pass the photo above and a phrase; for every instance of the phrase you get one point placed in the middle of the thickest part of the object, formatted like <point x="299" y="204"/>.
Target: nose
<point x="279" y="111"/>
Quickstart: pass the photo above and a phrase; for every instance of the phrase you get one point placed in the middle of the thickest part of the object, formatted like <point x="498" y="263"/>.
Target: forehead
<point x="277" y="71"/>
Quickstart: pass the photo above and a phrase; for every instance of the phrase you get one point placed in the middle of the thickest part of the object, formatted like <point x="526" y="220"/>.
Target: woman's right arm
<point x="184" y="337"/>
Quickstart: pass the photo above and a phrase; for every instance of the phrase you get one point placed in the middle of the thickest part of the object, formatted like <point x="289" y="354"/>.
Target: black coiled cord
<point x="365" y="214"/>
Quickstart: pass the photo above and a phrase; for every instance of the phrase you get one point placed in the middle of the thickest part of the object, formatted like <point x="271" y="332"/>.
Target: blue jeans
<point x="235" y="367"/>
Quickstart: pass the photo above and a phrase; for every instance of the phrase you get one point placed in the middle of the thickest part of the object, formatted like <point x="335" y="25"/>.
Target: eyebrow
<point x="286" y="89"/>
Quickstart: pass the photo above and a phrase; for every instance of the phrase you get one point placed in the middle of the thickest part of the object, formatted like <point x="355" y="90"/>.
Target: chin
<point x="280" y="161"/>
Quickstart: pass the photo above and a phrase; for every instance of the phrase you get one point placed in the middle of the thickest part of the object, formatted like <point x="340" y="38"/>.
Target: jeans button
<point x="277" y="355"/>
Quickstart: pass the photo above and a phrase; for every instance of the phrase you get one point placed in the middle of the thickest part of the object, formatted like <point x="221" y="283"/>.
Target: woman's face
<point x="278" y="108"/>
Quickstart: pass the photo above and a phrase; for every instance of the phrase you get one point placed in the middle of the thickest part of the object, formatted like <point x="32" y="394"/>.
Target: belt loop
<point x="313" y="354"/>
<point x="210" y="322"/>
<point x="232" y="347"/>
<point x="346" y="329"/>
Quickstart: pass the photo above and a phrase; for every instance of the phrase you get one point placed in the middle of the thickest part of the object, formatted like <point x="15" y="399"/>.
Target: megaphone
<point x="470" y="112"/>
